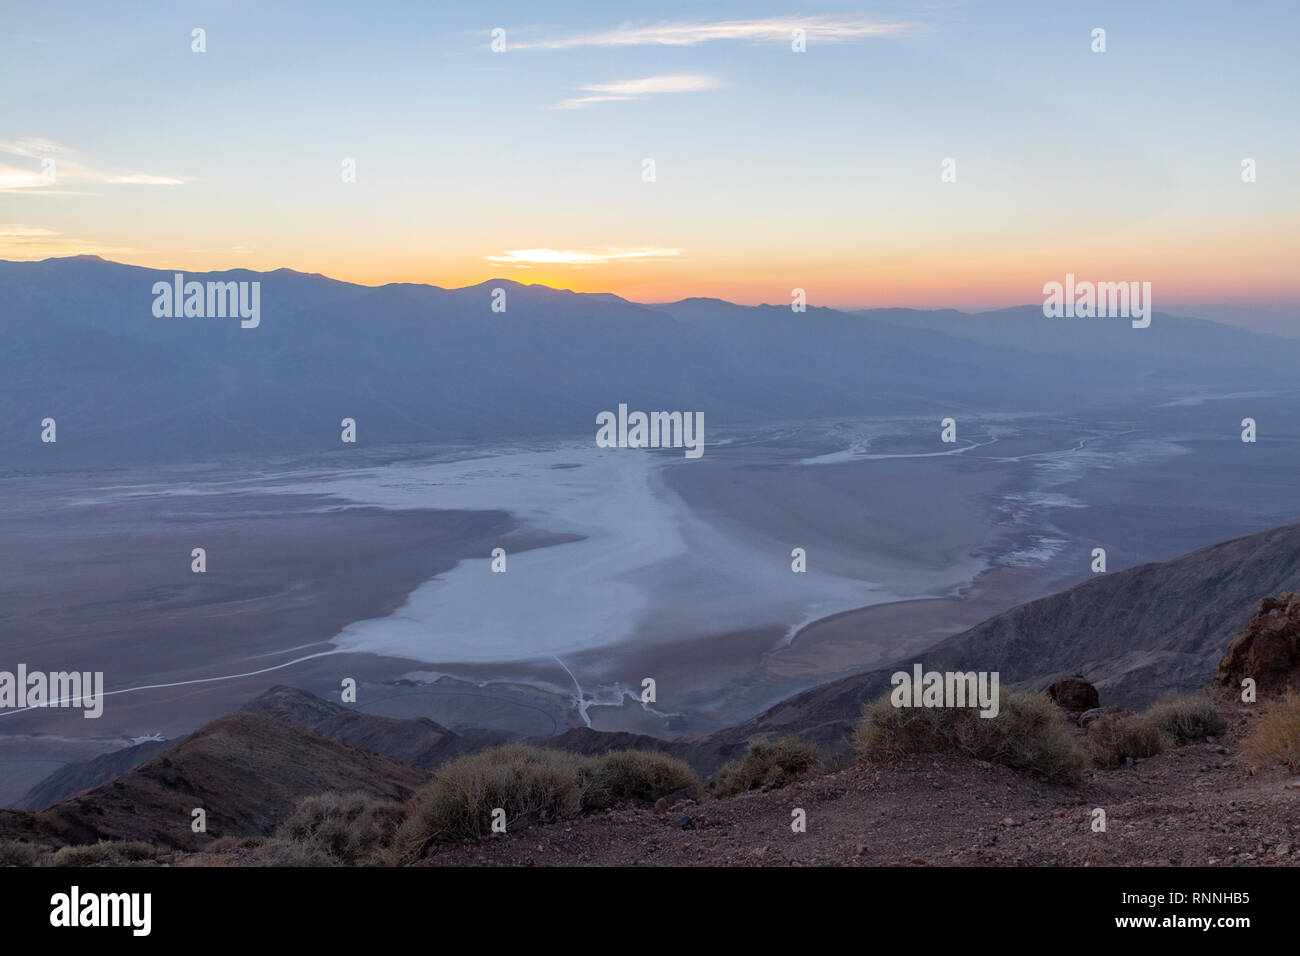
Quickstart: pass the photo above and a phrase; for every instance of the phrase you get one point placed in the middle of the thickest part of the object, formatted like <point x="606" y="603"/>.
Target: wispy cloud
<point x="22" y="241"/>
<point x="31" y="148"/>
<point x="18" y="231"/>
<point x="817" y="29"/>
<point x="143" y="179"/>
<point x="639" y="89"/>
<point x="578" y="257"/>
<point x="61" y="165"/>
<point x="13" y="179"/>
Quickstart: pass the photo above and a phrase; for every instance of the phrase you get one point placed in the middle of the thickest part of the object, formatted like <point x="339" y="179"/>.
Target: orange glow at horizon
<point x="967" y="274"/>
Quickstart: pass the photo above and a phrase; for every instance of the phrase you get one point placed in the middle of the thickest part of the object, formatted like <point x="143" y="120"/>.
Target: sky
<point x="772" y="169"/>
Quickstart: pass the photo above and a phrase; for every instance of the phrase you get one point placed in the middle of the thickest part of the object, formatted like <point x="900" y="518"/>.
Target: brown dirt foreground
<point x="1195" y="805"/>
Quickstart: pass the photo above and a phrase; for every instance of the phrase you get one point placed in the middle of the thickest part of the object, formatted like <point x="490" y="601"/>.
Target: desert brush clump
<point x="281" y="851"/>
<point x="225" y="843"/>
<point x="1187" y="720"/>
<point x="354" y="828"/>
<point x="19" y="853"/>
<point x="1275" y="738"/>
<point x="1115" y="738"/>
<point x="115" y="852"/>
<point x="638" y="776"/>
<point x="530" y="784"/>
<point x="769" y="764"/>
<point x="1029" y="733"/>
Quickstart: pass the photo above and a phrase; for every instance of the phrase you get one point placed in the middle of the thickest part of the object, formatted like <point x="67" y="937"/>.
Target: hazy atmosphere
<point x="488" y="435"/>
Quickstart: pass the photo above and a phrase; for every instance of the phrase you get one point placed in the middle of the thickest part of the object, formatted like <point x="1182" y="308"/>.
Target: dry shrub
<point x="353" y="827"/>
<point x="279" y="851"/>
<point x="226" y="843"/>
<point x="18" y="853"/>
<point x="641" y="776"/>
<point x="529" y="783"/>
<point x="1188" y="719"/>
<point x="769" y="765"/>
<point x="114" y="852"/>
<point x="1029" y="733"/>
<point x="1276" y="737"/>
<point x="1113" y="738"/>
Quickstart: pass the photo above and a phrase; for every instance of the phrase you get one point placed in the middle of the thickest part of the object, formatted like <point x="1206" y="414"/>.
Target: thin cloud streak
<point x="578" y="257"/>
<point x="817" y="29"/>
<point x="17" y="230"/>
<point x="639" y="89"/>
<point x="67" y="167"/>
<point x="19" y="241"/>
<point x="143" y="179"/>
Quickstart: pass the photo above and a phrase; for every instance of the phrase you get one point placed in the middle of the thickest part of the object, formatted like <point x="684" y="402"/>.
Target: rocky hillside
<point x="84" y="774"/>
<point x="1135" y="634"/>
<point x="1193" y="806"/>
<point x="417" y="741"/>
<point x="1139" y="633"/>
<point x="245" y="770"/>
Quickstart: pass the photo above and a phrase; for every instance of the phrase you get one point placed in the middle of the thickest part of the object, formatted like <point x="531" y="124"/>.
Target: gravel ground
<point x="1195" y="805"/>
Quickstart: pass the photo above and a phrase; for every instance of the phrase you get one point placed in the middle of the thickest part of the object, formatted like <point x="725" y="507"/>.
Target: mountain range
<point x="418" y="363"/>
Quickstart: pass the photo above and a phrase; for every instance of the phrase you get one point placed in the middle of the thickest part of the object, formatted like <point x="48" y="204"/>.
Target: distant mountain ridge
<point x="85" y="774"/>
<point x="246" y="771"/>
<point x="417" y="741"/>
<point x="414" y="363"/>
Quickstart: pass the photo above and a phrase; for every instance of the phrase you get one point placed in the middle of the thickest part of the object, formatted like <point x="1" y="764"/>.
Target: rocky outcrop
<point x="1074" y="694"/>
<point x="1267" y="650"/>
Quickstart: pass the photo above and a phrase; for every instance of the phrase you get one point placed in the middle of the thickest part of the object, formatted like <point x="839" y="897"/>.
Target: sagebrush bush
<point x="224" y="843"/>
<point x="527" y="782"/>
<point x="769" y="764"/>
<point x="1029" y="733"/>
<point x="1112" y="738"/>
<point x="17" y="853"/>
<point x="1188" y="719"/>
<point x="354" y="827"/>
<point x="106" y="851"/>
<point x="279" y="851"/>
<point x="530" y="784"/>
<point x="642" y="776"/>
<point x="1276" y="737"/>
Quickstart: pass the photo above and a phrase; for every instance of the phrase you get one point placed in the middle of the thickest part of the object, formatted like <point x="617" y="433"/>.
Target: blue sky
<point x="773" y="168"/>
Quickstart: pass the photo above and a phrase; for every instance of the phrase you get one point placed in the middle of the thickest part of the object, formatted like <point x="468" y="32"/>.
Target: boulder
<point x="1268" y="649"/>
<point x="1073" y="694"/>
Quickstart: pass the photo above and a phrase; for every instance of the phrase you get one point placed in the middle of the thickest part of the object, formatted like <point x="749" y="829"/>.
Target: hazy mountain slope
<point x="247" y="771"/>
<point x="1140" y="632"/>
<point x="417" y="741"/>
<point x="84" y="774"/>
<point x="416" y="363"/>
<point x="1136" y="634"/>
<point x="1170" y="349"/>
